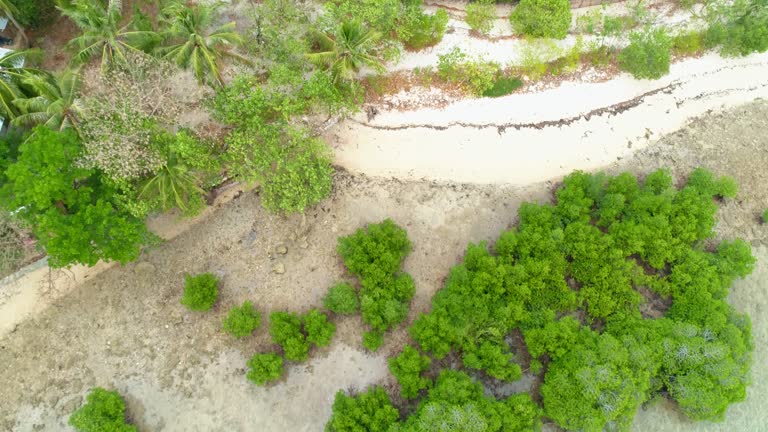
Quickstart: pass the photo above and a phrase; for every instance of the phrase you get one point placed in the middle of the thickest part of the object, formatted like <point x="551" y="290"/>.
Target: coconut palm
<point x="174" y="185"/>
<point x="55" y="104"/>
<point x="346" y="51"/>
<point x="103" y="35"/>
<point x="12" y="72"/>
<point x="189" y="43"/>
<point x="10" y="11"/>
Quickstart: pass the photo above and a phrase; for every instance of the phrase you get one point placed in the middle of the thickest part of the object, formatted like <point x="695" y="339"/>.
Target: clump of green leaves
<point x="480" y="15"/>
<point x="374" y="255"/>
<point x="648" y="54"/>
<point x="285" y="329"/>
<point x="542" y="18"/>
<point x="407" y="368"/>
<point x="764" y="216"/>
<point x="373" y="340"/>
<point x="319" y="330"/>
<point x="503" y="86"/>
<point x="419" y="30"/>
<point x="73" y="211"/>
<point x="104" y="411"/>
<point x="263" y="368"/>
<point x="342" y="299"/>
<point x="688" y="43"/>
<point x="200" y="292"/>
<point x="241" y="321"/>
<point x="368" y="411"/>
<point x="474" y="75"/>
<point x="739" y="27"/>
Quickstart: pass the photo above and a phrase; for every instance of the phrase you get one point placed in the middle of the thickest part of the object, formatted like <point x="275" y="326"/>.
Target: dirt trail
<point x="125" y="328"/>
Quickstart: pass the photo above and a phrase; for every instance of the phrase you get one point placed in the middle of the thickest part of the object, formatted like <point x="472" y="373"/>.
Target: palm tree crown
<point x="190" y="43"/>
<point x="55" y="105"/>
<point x="11" y="74"/>
<point x="102" y="33"/>
<point x="345" y="52"/>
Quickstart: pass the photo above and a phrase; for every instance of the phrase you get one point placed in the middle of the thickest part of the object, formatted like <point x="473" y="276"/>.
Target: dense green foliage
<point x="285" y="329"/>
<point x="72" y="211"/>
<point x="374" y="255"/>
<point x="419" y="30"/>
<point x="342" y="299"/>
<point x="739" y="27"/>
<point x="104" y="411"/>
<point x="242" y="320"/>
<point x="200" y="292"/>
<point x="369" y="411"/>
<point x="263" y="368"/>
<point x="503" y="86"/>
<point x="345" y="50"/>
<point x="319" y="330"/>
<point x="407" y="368"/>
<point x="34" y="13"/>
<point x="542" y="18"/>
<point x="473" y="74"/>
<point x="648" y="54"/>
<point x="480" y="15"/>
<point x="688" y="43"/>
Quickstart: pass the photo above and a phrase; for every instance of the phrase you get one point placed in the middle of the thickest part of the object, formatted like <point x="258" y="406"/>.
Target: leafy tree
<point x="419" y="30"/>
<point x="103" y="412"/>
<point x="11" y="11"/>
<point x="104" y="32"/>
<point x="346" y="51"/>
<point x="648" y="54"/>
<point x="542" y="18"/>
<point x="241" y="321"/>
<point x="200" y="292"/>
<point x="369" y="411"/>
<point x="71" y="210"/>
<point x="739" y="27"/>
<point x="480" y="15"/>
<point x="188" y="42"/>
<point x="263" y="368"/>
<point x="407" y="368"/>
<point x="342" y="299"/>
<point x="285" y="328"/>
<point x="54" y="104"/>
<point x="317" y="327"/>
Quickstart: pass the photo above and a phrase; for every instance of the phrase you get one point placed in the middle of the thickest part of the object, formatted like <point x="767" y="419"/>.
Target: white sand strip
<point x="519" y="139"/>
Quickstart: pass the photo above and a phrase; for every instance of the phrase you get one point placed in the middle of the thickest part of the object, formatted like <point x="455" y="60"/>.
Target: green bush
<point x="688" y="43"/>
<point x="542" y="18"/>
<point x="200" y="292"/>
<point x="480" y="15"/>
<point x="374" y="255"/>
<point x="372" y="340"/>
<point x="242" y="321"/>
<point x="739" y="27"/>
<point x="648" y="55"/>
<point x="503" y="86"/>
<point x="34" y="13"/>
<point x="407" y="368"/>
<point x="342" y="299"/>
<point x="369" y="411"/>
<point x="263" y="368"/>
<point x="418" y="30"/>
<point x="474" y="75"/>
<point x="104" y="411"/>
<point x="285" y="329"/>
<point x="319" y="331"/>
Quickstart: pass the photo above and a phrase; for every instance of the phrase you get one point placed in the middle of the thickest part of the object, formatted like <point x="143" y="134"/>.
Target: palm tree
<point x="189" y="43"/>
<point x="10" y="11"/>
<point x="174" y="185"/>
<point x="55" y="105"/>
<point x="11" y="74"/>
<point x="102" y="32"/>
<point x="345" y="52"/>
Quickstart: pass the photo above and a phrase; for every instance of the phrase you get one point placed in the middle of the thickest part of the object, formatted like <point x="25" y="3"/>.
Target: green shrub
<point x="688" y="43"/>
<point x="648" y="54"/>
<point x="104" y="411"/>
<point x="319" y="331"/>
<point x="407" y="368"/>
<point x="372" y="340"/>
<point x="503" y="86"/>
<point x="764" y="216"/>
<point x="474" y="75"/>
<point x="242" y="321"/>
<point x="200" y="292"/>
<point x="34" y="13"/>
<point x="480" y="15"/>
<point x="542" y="18"/>
<point x="285" y="329"/>
<point x="374" y="255"/>
<point x="418" y="30"/>
<point x="369" y="411"/>
<point x="342" y="299"/>
<point x="263" y="368"/>
<point x="739" y="27"/>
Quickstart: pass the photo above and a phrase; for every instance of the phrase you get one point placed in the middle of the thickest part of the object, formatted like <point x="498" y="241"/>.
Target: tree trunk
<point x="20" y="29"/>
